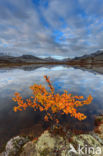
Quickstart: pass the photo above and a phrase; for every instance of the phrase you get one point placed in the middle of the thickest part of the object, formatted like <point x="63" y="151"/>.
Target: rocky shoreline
<point x="58" y="142"/>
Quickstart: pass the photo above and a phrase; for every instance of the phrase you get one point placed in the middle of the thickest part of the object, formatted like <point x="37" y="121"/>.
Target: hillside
<point x="94" y="59"/>
<point x="24" y="59"/>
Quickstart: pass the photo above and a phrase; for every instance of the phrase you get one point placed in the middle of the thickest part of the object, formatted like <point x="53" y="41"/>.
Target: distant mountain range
<point x="92" y="62"/>
<point x="25" y="59"/>
<point x="94" y="58"/>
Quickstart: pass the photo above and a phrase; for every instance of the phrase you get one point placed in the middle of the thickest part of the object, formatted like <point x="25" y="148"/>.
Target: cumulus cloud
<point x="51" y="28"/>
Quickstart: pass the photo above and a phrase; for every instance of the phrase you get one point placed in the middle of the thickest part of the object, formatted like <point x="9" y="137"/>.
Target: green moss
<point x="44" y="152"/>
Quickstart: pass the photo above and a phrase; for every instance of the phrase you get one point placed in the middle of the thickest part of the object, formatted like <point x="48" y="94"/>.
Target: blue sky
<point x="59" y="28"/>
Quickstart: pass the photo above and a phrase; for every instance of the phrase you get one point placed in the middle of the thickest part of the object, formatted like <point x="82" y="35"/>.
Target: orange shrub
<point x="52" y="103"/>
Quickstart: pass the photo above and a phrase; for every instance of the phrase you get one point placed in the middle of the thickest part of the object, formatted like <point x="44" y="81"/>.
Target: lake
<point x="76" y="81"/>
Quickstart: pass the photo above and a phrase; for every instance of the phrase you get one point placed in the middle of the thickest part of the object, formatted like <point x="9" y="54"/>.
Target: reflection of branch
<point x="49" y="83"/>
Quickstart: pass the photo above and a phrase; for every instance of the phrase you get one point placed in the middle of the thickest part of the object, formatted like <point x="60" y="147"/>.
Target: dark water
<point x="76" y="81"/>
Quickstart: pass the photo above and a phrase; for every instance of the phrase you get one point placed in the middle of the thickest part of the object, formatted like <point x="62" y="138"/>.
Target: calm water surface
<point x="76" y="81"/>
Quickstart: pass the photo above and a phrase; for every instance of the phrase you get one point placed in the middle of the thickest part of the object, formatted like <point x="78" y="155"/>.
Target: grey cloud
<point x="93" y="7"/>
<point x="22" y="30"/>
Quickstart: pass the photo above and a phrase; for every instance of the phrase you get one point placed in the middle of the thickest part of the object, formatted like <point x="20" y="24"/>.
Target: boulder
<point x="14" y="145"/>
<point x="53" y="145"/>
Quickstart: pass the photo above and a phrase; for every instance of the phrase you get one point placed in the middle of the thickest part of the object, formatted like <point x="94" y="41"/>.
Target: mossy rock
<point x="29" y="149"/>
<point x="46" y="145"/>
<point x="86" y="141"/>
<point x="14" y="146"/>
